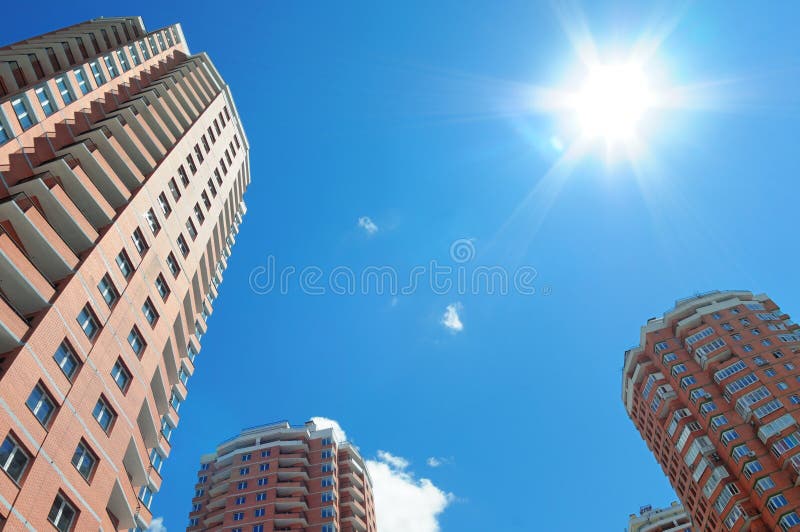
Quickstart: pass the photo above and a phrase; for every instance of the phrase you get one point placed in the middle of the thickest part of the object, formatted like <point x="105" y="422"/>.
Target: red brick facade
<point x="283" y="477"/>
<point x="714" y="389"/>
<point x="115" y="142"/>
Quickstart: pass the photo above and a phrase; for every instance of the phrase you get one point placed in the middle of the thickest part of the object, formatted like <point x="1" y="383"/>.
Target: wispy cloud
<point x="366" y="223"/>
<point x="438" y="461"/>
<point x="403" y="502"/>
<point x="451" y="319"/>
<point x="157" y="525"/>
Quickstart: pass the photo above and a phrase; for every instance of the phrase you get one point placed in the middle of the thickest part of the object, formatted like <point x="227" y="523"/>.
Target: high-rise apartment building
<point x="714" y="389"/>
<point x="122" y="170"/>
<point x="670" y="519"/>
<point x="283" y="477"/>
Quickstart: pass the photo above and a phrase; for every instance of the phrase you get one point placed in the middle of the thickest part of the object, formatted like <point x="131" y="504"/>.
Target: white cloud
<point x="451" y="320"/>
<point x="366" y="223"/>
<point x="403" y="502"/>
<point x="157" y="525"/>
<point x="438" y="461"/>
<point x="327" y="423"/>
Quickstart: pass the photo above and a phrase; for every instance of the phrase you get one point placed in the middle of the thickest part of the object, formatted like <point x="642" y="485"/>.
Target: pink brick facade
<point x="283" y="477"/>
<point x="116" y="145"/>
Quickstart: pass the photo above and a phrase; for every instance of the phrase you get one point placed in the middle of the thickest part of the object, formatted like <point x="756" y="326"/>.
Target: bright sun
<point x="612" y="101"/>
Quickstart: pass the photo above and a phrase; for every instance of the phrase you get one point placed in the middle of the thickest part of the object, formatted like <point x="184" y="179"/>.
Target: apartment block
<point x="673" y="518"/>
<point x="283" y="477"/>
<point x="123" y="166"/>
<point x="714" y="389"/>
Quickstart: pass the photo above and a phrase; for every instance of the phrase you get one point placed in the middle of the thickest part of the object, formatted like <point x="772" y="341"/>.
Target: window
<point x="238" y="516"/>
<point x="157" y="460"/>
<point x="66" y="359"/>
<point x="162" y="287"/>
<point x="194" y="521"/>
<point x="191" y="229"/>
<point x="182" y="245"/>
<point x="240" y="500"/>
<point x="718" y="421"/>
<point x="783" y="386"/>
<point x="23" y="112"/>
<point x="124" y="264"/>
<point x="62" y="514"/>
<point x="766" y="342"/>
<point x="83" y="83"/>
<point x="327" y="496"/>
<point x="172" y="263"/>
<point x="764" y="484"/>
<point x="770" y="372"/>
<point x="166" y="428"/>
<point x="244" y="471"/>
<point x="327" y="481"/>
<point x="46" y="101"/>
<point x="242" y="485"/>
<point x="263" y="467"/>
<point x="246" y="457"/>
<point x="13" y="458"/>
<point x="263" y="481"/>
<point x="149" y="311"/>
<point x="199" y="492"/>
<point x="759" y="361"/>
<point x="794" y="399"/>
<point x="750" y="468"/>
<point x="104" y="414"/>
<point x="327" y="512"/>
<point x="4" y="130"/>
<point x="206" y="201"/>
<point x="88" y="322"/>
<point x="211" y="134"/>
<point x="789" y="520"/>
<point x="328" y="528"/>
<point x="65" y="89"/>
<point x="327" y="468"/>
<point x="775" y="502"/>
<point x="175" y="401"/>
<point x="198" y="212"/>
<point x="173" y="188"/>
<point x="139" y="242"/>
<point x="218" y="176"/>
<point x="190" y="162"/>
<point x="204" y="467"/>
<point x="152" y="221"/>
<point x="789" y="366"/>
<point x="198" y="153"/>
<point x="688" y="381"/>
<point x="99" y="77"/>
<point x="121" y="375"/>
<point x="259" y="512"/>
<point x="123" y="61"/>
<point x="134" y="55"/>
<point x="212" y="188"/>
<point x="202" y="479"/>
<point x="326" y="442"/>
<point x="107" y="290"/>
<point x="184" y="177"/>
<point x="146" y="495"/>
<point x="111" y="65"/>
<point x="327" y="453"/>
<point x="196" y="507"/>
<point x="261" y="496"/>
<point x="166" y="209"/>
<point x="222" y="165"/>
<point x="258" y="528"/>
<point x="216" y="126"/>
<point x="265" y="453"/>
<point x="204" y="140"/>
<point x="741" y="451"/>
<point x="84" y="460"/>
<point x="136" y="341"/>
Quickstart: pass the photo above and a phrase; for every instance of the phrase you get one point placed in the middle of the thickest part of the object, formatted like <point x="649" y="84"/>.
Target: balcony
<point x="356" y="522"/>
<point x="289" y="519"/>
<point x="289" y="459"/>
<point x="289" y="504"/>
<point x="356" y="507"/>
<point x="222" y="487"/>
<point x="355" y="493"/>
<point x="286" y="488"/>
<point x="290" y="473"/>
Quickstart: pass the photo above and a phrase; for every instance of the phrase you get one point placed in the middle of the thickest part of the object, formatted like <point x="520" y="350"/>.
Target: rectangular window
<point x="265" y="453"/>
<point x="259" y="512"/>
<point x="146" y="496"/>
<point x="327" y="496"/>
<point x="123" y="61"/>
<point x="83" y="82"/>
<point x="776" y="501"/>
<point x="46" y="101"/>
<point x="162" y="287"/>
<point x="124" y="264"/>
<point x="204" y="140"/>
<point x="244" y="471"/>
<point x="121" y="375"/>
<point x="97" y="73"/>
<point x="166" y="209"/>
<point x="183" y="175"/>
<point x="327" y="482"/>
<point x="166" y="428"/>
<point x="84" y="460"/>
<point x="198" y="212"/>
<point x="65" y="90"/>
<point x="107" y="290"/>
<point x="104" y="414"/>
<point x="211" y="134"/>
<point x="111" y="65"/>
<point x="241" y="499"/>
<point x="238" y="516"/>
<point x="66" y="359"/>
<point x="182" y="245"/>
<point x="206" y="201"/>
<point x="172" y="264"/>
<point x="190" y="162"/>
<point x="62" y="514"/>
<point x="13" y="458"/>
<point x="88" y="322"/>
<point x="5" y="134"/>
<point x="23" y="112"/>
<point x="261" y="496"/>
<point x="327" y="512"/>
<point x="191" y="229"/>
<point x="175" y="401"/>
<point x="198" y="153"/>
<point x="263" y="467"/>
<point x="136" y="341"/>
<point x="263" y="481"/>
<point x="145" y="51"/>
<point x="157" y="460"/>
<point x="242" y="485"/>
<point x="173" y="188"/>
<point x="152" y="221"/>
<point x="134" y="55"/>
<point x="218" y="176"/>
<point x="212" y="188"/>
<point x="247" y="457"/>
<point x="139" y="242"/>
<point x="149" y="311"/>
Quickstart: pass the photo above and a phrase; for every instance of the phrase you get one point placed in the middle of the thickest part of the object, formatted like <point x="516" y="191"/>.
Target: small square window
<point x="84" y="460"/>
<point x="66" y="359"/>
<point x="88" y="322"/>
<point x="107" y="290"/>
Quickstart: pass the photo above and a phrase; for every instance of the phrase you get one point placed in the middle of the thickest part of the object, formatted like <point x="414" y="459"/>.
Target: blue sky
<point x="412" y="114"/>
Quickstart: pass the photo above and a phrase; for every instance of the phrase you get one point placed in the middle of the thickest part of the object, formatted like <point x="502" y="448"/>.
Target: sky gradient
<point x="380" y="135"/>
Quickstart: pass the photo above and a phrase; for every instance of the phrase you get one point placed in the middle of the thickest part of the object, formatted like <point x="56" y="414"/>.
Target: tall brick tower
<point x="122" y="169"/>
<point x="283" y="477"/>
<point x="714" y="389"/>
